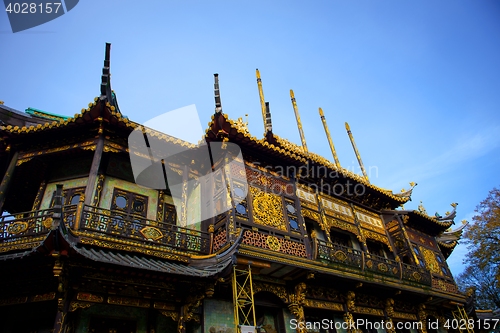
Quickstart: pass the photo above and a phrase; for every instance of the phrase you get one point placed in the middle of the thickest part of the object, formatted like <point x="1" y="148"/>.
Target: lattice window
<point x="291" y="212"/>
<point x="341" y="238"/>
<point x="379" y="249"/>
<point x="169" y="213"/>
<point x="129" y="203"/>
<point x="71" y="196"/>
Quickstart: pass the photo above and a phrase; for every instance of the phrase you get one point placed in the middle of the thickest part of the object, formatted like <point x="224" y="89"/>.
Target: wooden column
<point x="361" y="237"/>
<point x="4" y="186"/>
<point x="94" y="169"/>
<point x="184" y="197"/>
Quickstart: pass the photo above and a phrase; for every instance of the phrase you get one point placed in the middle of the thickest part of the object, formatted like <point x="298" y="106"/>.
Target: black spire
<point x="106" y="92"/>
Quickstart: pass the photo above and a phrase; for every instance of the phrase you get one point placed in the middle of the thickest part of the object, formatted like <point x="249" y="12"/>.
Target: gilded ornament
<point x="341" y="256"/>
<point x="75" y="305"/>
<point x="382" y="267"/>
<point x="267" y="209"/>
<point x="47" y="223"/>
<point x="128" y="301"/>
<point x="171" y="314"/>
<point x="89" y="297"/>
<point x="369" y="311"/>
<point x="17" y="228"/>
<point x="431" y="262"/>
<point x="151" y="233"/>
<point x="273" y="243"/>
<point x="277" y="290"/>
<point x="44" y="297"/>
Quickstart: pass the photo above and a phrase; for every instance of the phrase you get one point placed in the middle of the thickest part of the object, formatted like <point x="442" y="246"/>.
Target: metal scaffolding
<point x="244" y="307"/>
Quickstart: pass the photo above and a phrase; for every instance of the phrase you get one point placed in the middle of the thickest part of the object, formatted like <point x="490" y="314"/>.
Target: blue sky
<point x="418" y="81"/>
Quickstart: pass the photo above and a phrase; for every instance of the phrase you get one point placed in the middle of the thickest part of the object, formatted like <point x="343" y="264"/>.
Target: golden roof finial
<point x="262" y="100"/>
<point x="356" y="150"/>
<point x="332" y="147"/>
<point x="422" y="209"/>
<point x="299" y="123"/>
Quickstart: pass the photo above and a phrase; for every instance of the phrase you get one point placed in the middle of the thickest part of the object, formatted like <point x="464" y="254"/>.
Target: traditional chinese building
<point x="84" y="247"/>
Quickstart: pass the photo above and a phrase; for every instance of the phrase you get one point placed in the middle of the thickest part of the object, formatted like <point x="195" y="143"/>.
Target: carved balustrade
<point x="340" y="254"/>
<point x="345" y="258"/>
<point x="23" y="225"/>
<point x="133" y="227"/>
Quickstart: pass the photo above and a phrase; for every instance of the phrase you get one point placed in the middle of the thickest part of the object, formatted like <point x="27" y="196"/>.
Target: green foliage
<point x="483" y="260"/>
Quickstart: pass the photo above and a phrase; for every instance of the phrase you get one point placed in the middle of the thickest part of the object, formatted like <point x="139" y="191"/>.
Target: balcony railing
<point x="22" y="226"/>
<point x="345" y="258"/>
<point x="133" y="227"/>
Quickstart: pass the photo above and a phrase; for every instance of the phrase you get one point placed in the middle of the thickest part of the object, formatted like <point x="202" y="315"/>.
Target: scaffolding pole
<point x="244" y="307"/>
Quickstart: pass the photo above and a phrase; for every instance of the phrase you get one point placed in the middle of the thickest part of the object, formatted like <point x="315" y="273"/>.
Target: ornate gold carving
<point x="89" y="297"/>
<point x="17" y="227"/>
<point x="172" y="314"/>
<point x="90" y="147"/>
<point x="163" y="306"/>
<point x="382" y="267"/>
<point x="39" y="196"/>
<point x="277" y="290"/>
<point x="307" y="199"/>
<point x="112" y="243"/>
<point x="151" y="233"/>
<point x="339" y="255"/>
<point x="369" y="311"/>
<point x="323" y="305"/>
<point x="75" y="305"/>
<point x="404" y="315"/>
<point x="44" y="297"/>
<point x="111" y="149"/>
<point x="267" y="209"/>
<point x="128" y="301"/>
<point x="378" y="237"/>
<point x="24" y="243"/>
<point x="422" y="316"/>
<point x="431" y="262"/>
<point x="312" y="215"/>
<point x="47" y="223"/>
<point x="337" y="208"/>
<point x="273" y="243"/>
<point x="369" y="219"/>
<point x="98" y="190"/>
<point x="14" y="300"/>
<point x="258" y="239"/>
<point x="350" y="301"/>
<point x="331" y="222"/>
<point x="297" y="301"/>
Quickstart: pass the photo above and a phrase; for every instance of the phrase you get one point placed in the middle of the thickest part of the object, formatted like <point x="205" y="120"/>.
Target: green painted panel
<point x="51" y="187"/>
<point x="117" y="312"/>
<point x="218" y="316"/>
<point x="110" y="183"/>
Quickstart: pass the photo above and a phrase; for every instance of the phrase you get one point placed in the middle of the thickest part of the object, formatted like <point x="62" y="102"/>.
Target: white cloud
<point x="469" y="147"/>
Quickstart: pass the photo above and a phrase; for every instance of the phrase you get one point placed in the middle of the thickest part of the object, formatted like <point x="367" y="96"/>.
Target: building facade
<point x="278" y="240"/>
